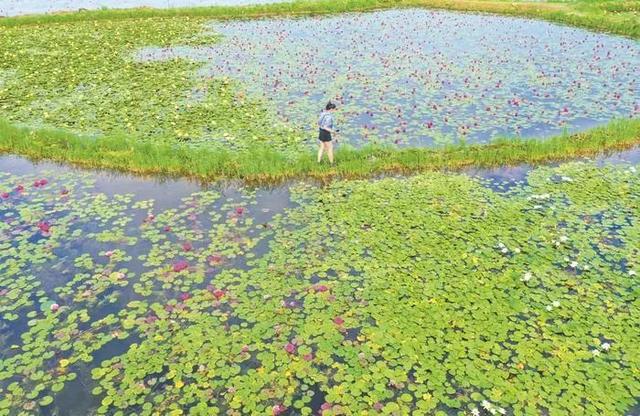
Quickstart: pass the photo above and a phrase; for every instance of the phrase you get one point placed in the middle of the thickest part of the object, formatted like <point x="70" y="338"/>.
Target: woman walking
<point x="325" y="124"/>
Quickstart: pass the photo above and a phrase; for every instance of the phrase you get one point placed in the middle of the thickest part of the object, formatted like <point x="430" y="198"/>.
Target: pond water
<point x="420" y="77"/>
<point x="21" y="7"/>
<point x="117" y="292"/>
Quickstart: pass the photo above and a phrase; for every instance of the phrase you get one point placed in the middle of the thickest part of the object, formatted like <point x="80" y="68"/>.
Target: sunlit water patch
<point x="439" y="292"/>
<point x="421" y="77"/>
<point x="20" y="7"/>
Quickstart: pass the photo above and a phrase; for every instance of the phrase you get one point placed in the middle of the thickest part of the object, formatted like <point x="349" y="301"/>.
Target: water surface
<point x="420" y="77"/>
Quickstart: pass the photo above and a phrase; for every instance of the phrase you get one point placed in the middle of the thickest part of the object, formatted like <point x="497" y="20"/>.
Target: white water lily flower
<point x="632" y="272"/>
<point x="501" y="245"/>
<point x="574" y="264"/>
<point x="549" y="308"/>
<point x="595" y="352"/>
<point x="475" y="412"/>
<point x="538" y="207"/>
<point x="605" y="346"/>
<point x="556" y="303"/>
<point x="564" y="238"/>
<point x="516" y="250"/>
<point x="632" y="169"/>
<point x="527" y="276"/>
<point x="486" y="404"/>
<point x="505" y="250"/>
<point x="567" y="179"/>
<point x="502" y="411"/>
<point x="586" y="267"/>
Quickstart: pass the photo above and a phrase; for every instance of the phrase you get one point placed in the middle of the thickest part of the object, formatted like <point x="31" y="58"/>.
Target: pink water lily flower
<point x="338" y="320"/>
<point x="320" y="288"/>
<point x="239" y="210"/>
<point x="54" y="307"/>
<point x="187" y="246"/>
<point x="180" y="266"/>
<point x="308" y="357"/>
<point x="290" y="348"/>
<point x="19" y="188"/>
<point x="4" y="195"/>
<point x="278" y="409"/>
<point x="44" y="227"/>
<point x="184" y="296"/>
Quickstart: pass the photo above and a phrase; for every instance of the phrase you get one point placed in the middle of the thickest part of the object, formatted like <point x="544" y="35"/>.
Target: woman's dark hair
<point x="330" y="106"/>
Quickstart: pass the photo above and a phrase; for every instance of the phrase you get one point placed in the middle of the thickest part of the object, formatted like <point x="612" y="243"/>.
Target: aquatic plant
<point x="443" y="293"/>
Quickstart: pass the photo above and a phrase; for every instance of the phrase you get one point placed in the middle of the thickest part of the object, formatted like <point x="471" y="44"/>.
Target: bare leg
<point x="320" y="150"/>
<point x="330" y="151"/>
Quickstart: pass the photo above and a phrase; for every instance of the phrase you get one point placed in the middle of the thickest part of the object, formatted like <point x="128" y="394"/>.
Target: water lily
<point x="606" y="346"/>
<point x="527" y="276"/>
<point x="187" y="246"/>
<point x="44" y="227"/>
<point x="475" y="411"/>
<point x="290" y="348"/>
<point x="338" y="320"/>
<point x="239" y="210"/>
<point x="4" y="195"/>
<point x="320" y="288"/>
<point x="180" y="266"/>
<point x="595" y="352"/>
<point x="108" y="253"/>
<point x="573" y="264"/>
<point x="632" y="272"/>
<point x="556" y="304"/>
<point x="278" y="409"/>
<point x="184" y="296"/>
<point x="54" y="307"/>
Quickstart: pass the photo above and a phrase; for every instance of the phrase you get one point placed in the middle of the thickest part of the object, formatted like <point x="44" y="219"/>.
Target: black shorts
<point x="324" y="136"/>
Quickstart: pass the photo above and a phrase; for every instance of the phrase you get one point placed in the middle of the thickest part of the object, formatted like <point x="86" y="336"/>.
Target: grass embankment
<point x="263" y="165"/>
<point x="620" y="17"/>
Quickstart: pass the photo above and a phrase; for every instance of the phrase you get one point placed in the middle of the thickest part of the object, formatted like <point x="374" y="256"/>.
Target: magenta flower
<point x="290" y="348"/>
<point x="338" y="320"/>
<point x="239" y="210"/>
<point x="184" y="296"/>
<point x="3" y="292"/>
<point x="19" y="188"/>
<point x="180" y="266"/>
<point x="326" y="406"/>
<point x="108" y="253"/>
<point x="278" y="409"/>
<point x="320" y="288"/>
<point x="167" y="229"/>
<point x="4" y="195"/>
<point x="308" y="357"/>
<point x="54" y="307"/>
<point x="44" y="227"/>
<point x="187" y="246"/>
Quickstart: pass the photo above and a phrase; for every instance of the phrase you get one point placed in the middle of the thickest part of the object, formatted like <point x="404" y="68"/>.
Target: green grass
<point x="261" y="164"/>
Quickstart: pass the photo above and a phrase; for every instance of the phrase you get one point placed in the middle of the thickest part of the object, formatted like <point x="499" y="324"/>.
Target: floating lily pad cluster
<point x="441" y="294"/>
<point x="81" y="76"/>
<point x="422" y="77"/>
